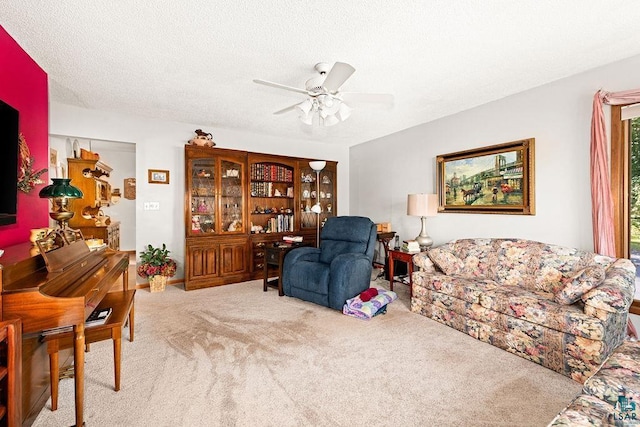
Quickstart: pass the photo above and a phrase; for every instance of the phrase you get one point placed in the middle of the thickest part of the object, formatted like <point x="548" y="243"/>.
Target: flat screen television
<point x="8" y="164"/>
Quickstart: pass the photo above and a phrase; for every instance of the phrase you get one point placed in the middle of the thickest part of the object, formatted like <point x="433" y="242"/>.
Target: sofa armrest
<point x="616" y="292"/>
<point x="424" y="263"/>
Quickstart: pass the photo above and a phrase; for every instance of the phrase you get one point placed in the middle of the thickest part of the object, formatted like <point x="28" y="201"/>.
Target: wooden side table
<point x="274" y="255"/>
<point x="403" y="256"/>
<point x="384" y="239"/>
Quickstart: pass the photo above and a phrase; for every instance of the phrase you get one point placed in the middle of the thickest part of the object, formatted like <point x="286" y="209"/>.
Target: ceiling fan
<point x="324" y="98"/>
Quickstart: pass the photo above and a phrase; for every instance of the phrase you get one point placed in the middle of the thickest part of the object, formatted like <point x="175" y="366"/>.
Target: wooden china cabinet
<point x="238" y="202"/>
<point x="217" y="240"/>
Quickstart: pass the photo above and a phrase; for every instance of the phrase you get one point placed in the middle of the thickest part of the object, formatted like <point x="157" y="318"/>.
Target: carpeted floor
<point x="236" y="356"/>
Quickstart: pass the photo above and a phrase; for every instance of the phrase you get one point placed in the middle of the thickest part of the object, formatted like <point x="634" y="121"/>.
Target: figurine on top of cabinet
<point x="202" y="139"/>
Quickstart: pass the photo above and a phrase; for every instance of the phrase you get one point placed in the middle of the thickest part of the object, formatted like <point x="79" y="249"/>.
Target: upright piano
<point x="45" y="299"/>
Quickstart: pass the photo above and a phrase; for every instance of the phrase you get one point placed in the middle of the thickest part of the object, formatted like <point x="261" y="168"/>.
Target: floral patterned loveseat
<point x="560" y="307"/>
<point x="610" y="397"/>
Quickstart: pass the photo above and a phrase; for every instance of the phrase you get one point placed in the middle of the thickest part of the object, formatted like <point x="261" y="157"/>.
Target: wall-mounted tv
<point x="8" y="164"/>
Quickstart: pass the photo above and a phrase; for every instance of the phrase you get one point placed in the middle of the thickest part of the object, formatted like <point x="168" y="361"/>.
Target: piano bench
<point x="122" y="305"/>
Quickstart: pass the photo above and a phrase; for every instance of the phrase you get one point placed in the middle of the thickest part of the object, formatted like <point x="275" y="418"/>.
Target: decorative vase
<point x="157" y="283"/>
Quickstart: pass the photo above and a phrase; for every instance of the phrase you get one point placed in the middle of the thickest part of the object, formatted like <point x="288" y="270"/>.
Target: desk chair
<point x="122" y="305"/>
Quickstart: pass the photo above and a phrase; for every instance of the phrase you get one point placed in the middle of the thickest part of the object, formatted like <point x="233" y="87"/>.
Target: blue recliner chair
<point x="340" y="269"/>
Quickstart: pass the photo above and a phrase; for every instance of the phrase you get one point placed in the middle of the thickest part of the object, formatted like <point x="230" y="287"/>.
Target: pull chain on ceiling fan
<point x="324" y="98"/>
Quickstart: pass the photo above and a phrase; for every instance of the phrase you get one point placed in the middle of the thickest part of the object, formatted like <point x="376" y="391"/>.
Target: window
<point x="625" y="186"/>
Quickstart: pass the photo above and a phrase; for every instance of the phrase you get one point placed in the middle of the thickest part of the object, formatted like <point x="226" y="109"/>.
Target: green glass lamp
<point x="61" y="192"/>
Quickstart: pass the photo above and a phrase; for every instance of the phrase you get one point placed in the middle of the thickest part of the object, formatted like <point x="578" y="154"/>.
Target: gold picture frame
<point x="158" y="176"/>
<point x="497" y="179"/>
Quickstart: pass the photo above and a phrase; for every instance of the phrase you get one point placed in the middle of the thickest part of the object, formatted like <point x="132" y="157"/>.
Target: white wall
<point x="557" y="115"/>
<point x="160" y="145"/>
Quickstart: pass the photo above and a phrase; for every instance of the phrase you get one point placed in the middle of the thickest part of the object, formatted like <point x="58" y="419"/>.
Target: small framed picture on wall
<point x="157" y="176"/>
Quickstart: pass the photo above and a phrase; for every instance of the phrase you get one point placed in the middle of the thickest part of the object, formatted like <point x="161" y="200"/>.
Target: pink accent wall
<point x="24" y="86"/>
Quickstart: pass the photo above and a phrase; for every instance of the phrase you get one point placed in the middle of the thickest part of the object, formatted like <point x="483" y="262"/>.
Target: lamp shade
<point x="422" y="204"/>
<point x="344" y="112"/>
<point x="307" y="119"/>
<point x="317" y="165"/>
<point x="304" y="107"/>
<point x="330" y="121"/>
<point x="60" y="187"/>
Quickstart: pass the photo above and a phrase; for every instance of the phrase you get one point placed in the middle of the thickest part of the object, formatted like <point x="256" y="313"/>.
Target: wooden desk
<point x="403" y="256"/>
<point x="274" y="255"/>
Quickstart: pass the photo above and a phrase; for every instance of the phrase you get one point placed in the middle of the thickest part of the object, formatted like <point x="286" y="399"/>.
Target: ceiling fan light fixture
<point x="330" y="120"/>
<point x="324" y="95"/>
<point x="344" y="111"/>
<point x="307" y="119"/>
<point x="329" y="105"/>
<point x="304" y="107"/>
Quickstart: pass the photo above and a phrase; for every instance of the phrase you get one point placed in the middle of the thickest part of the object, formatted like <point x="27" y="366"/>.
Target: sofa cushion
<point x="517" y="262"/>
<point x="578" y="283"/>
<point x="446" y="261"/>
<point x="463" y="288"/>
<point x="539" y="308"/>
<point x="478" y="256"/>
<point x="616" y="293"/>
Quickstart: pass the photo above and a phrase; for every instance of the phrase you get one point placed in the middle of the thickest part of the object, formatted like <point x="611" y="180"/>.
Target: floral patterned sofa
<point x="560" y="307"/>
<point x="610" y="397"/>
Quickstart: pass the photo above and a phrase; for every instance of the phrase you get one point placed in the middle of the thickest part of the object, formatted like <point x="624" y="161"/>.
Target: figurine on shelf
<point x="202" y="207"/>
<point x="235" y="225"/>
<point x="202" y="139"/>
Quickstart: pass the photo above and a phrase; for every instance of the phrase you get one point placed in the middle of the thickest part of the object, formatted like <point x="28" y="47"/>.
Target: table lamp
<point x="61" y="192"/>
<point x="423" y="205"/>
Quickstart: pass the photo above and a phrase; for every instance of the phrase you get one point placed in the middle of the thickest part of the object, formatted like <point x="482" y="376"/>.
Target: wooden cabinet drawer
<point x="272" y="256"/>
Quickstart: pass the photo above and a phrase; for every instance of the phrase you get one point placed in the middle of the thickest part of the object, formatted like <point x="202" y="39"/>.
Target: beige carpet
<point x="236" y="356"/>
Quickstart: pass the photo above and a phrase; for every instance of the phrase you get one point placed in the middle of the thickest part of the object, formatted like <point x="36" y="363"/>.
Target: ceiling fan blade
<point x="380" y="98"/>
<point x="339" y="74"/>
<point x="285" y="110"/>
<point x="280" y="86"/>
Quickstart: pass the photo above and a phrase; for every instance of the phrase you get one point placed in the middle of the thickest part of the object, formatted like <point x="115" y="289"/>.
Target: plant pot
<point x="157" y="283"/>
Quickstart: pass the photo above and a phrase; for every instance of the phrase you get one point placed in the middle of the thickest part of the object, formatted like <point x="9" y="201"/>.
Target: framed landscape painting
<point x="498" y="179"/>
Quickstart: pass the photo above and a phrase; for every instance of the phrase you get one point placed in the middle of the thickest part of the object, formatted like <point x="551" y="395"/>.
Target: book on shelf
<point x="292" y="239"/>
<point x="98" y="317"/>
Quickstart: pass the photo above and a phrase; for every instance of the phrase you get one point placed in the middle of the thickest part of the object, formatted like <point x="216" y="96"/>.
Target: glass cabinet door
<point x="316" y="189"/>
<point x="202" y="196"/>
<point x="231" y="196"/>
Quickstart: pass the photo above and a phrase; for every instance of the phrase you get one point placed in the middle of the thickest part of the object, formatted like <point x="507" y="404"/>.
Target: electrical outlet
<point x="151" y="206"/>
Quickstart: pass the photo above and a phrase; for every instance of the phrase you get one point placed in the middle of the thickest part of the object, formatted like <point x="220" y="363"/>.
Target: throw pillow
<point x="446" y="261"/>
<point x="580" y="283"/>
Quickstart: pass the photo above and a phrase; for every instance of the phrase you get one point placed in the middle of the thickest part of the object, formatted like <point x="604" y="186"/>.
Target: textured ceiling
<point x="194" y="60"/>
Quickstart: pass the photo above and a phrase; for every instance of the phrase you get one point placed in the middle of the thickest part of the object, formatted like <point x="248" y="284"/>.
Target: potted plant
<point x="156" y="265"/>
